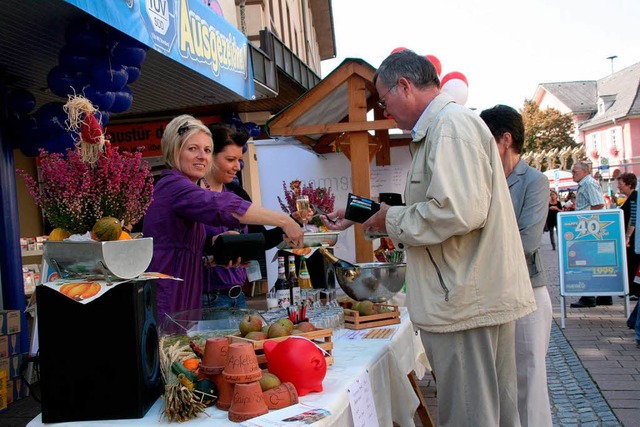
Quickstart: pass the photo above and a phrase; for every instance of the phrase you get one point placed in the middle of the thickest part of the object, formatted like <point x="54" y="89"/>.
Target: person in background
<point x="552" y="217"/>
<point x="180" y="208"/>
<point x="570" y="202"/>
<point x="467" y="279"/>
<point x="223" y="286"/>
<point x="529" y="189"/>
<point x="627" y="183"/>
<point x="588" y="197"/>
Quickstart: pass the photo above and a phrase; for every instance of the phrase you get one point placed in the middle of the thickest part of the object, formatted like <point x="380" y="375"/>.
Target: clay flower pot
<point x="242" y="364"/>
<point x="225" y="392"/>
<point x="247" y="402"/>
<point x="281" y="396"/>
<point x="215" y="355"/>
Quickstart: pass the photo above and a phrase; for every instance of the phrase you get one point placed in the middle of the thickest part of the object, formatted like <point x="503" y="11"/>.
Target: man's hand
<point x="377" y="223"/>
<point x="336" y="221"/>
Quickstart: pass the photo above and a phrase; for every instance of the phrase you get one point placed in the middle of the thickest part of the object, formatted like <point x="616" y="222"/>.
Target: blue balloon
<point x="134" y="72"/>
<point x="125" y="54"/>
<point x="253" y="129"/>
<point x="60" y="144"/>
<point x="108" y="77"/>
<point x="75" y="61"/>
<point x="103" y="100"/>
<point x="30" y="148"/>
<point x="87" y="36"/>
<point x="102" y="117"/>
<point x="51" y="119"/>
<point x="63" y="82"/>
<point x="123" y="100"/>
<point x="244" y="148"/>
<point x="241" y="164"/>
<point x="21" y="101"/>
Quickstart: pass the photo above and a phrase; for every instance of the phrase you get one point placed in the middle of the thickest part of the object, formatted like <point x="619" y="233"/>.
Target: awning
<point x="561" y="180"/>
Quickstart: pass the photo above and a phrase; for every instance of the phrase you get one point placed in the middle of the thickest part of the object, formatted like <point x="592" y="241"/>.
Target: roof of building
<point x="618" y="91"/>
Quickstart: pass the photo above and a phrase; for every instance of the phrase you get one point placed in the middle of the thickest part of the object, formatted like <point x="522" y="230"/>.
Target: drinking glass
<point x="302" y="205"/>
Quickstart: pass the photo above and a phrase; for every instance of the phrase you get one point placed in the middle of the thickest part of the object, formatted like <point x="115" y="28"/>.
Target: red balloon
<point x="436" y="63"/>
<point x="453" y="75"/>
<point x="398" y="49"/>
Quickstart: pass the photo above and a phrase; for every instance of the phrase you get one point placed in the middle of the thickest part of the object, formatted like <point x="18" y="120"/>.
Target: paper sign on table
<point x="370" y="334"/>
<point x="291" y="416"/>
<point x="363" y="408"/>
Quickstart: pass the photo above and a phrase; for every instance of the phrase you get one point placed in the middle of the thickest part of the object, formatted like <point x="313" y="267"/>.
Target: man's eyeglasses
<point x="381" y="102"/>
<point x="182" y="129"/>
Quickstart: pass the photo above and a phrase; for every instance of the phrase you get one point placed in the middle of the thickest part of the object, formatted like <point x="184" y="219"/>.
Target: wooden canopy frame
<point x="329" y="118"/>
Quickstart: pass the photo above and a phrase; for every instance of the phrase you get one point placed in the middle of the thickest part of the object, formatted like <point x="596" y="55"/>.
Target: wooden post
<point x="360" y="163"/>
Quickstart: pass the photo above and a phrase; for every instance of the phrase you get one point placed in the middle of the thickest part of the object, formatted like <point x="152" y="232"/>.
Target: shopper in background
<point x="467" y="279"/>
<point x="552" y="217"/>
<point x="627" y="183"/>
<point x="588" y="197"/>
<point x="529" y="189"/>
<point x="180" y="208"/>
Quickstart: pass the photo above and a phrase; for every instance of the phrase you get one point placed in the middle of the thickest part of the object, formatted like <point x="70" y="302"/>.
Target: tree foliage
<point x="546" y="129"/>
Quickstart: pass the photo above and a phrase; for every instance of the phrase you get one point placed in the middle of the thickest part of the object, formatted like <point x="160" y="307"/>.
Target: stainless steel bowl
<point x="373" y="281"/>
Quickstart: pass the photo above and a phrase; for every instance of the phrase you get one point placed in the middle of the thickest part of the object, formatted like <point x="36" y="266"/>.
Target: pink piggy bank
<point x="297" y="360"/>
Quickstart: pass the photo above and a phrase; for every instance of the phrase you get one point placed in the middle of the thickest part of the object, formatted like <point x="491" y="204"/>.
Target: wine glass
<point x="302" y="204"/>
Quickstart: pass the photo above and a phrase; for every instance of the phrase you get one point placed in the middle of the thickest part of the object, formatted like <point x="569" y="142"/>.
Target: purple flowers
<point x="320" y="197"/>
<point x="74" y="195"/>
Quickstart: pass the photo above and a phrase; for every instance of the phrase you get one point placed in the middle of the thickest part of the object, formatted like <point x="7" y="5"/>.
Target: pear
<point x="269" y="381"/>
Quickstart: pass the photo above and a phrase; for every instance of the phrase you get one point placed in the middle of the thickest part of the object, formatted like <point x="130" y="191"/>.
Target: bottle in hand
<point x="293" y="282"/>
<point x="283" y="293"/>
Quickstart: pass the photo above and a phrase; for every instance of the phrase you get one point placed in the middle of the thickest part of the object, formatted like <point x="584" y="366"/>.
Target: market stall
<point x="387" y="361"/>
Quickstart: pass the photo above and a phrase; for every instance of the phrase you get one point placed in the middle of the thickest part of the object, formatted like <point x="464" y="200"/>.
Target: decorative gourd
<point x="80" y="291"/>
<point x="58" y="234"/>
<point x="106" y="229"/>
<point x="124" y="236"/>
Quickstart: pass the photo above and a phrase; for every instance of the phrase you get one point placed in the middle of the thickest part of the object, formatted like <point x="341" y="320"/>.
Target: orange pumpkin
<point x="80" y="291"/>
<point x="191" y="364"/>
<point x="58" y="234"/>
<point x="124" y="236"/>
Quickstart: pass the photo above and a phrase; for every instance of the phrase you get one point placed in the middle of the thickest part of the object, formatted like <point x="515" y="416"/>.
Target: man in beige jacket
<point x="467" y="279"/>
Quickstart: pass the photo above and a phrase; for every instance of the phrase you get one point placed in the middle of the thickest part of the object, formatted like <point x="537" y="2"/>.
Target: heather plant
<point x="74" y="194"/>
<point x="321" y="197"/>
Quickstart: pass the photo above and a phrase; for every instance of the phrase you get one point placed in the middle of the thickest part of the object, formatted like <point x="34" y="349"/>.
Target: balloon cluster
<point x="98" y="62"/>
<point x="454" y="83"/>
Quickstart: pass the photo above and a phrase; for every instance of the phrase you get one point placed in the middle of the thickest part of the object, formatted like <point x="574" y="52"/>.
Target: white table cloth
<point x="387" y="362"/>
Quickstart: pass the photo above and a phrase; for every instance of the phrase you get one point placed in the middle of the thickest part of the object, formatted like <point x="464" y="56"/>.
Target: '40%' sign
<point x="592" y="253"/>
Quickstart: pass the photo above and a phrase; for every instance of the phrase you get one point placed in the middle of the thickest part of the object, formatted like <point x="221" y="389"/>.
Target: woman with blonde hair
<point x="180" y="209"/>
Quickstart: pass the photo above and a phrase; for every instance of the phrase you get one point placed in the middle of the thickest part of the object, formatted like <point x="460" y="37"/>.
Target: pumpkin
<point x="80" y="291"/>
<point x="124" y="236"/>
<point x="106" y="229"/>
<point x="58" y="234"/>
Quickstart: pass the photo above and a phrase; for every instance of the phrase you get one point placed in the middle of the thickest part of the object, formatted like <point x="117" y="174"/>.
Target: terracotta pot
<point x="225" y="392"/>
<point x="215" y="355"/>
<point x="242" y="364"/>
<point x="247" y="402"/>
<point x="281" y="396"/>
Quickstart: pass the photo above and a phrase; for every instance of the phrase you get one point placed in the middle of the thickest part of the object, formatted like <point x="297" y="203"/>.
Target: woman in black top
<point x="552" y="217"/>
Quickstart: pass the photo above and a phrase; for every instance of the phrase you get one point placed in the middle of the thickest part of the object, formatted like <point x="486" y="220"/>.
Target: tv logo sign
<point x="159" y="18"/>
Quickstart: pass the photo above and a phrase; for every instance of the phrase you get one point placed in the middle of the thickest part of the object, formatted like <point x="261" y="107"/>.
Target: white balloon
<point x="457" y="89"/>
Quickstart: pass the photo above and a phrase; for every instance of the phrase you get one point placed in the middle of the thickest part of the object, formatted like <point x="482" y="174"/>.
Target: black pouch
<point x="360" y="209"/>
<point x="228" y="247"/>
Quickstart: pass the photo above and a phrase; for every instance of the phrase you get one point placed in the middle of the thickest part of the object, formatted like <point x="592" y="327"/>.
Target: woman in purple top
<point x="180" y="209"/>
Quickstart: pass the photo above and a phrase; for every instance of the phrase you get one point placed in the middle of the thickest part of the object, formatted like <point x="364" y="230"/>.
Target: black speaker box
<point x="99" y="361"/>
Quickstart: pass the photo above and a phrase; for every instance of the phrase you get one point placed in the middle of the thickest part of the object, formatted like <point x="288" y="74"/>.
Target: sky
<point x="505" y="48"/>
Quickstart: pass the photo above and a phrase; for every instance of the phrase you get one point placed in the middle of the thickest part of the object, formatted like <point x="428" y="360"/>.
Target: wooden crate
<point x="353" y="319"/>
<point x="322" y="337"/>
